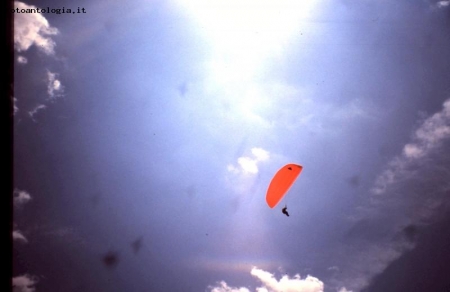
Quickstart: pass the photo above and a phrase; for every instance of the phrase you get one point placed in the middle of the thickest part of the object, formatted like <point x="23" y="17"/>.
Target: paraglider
<point x="280" y="184"/>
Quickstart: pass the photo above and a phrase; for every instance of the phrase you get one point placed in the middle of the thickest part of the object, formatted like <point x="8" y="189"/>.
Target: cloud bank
<point x="411" y="191"/>
<point x="18" y="236"/>
<point x="426" y="139"/>
<point x="20" y="198"/>
<point x="223" y="287"/>
<point x="271" y="284"/>
<point x="442" y="4"/>
<point x="32" y="29"/>
<point x="24" y="283"/>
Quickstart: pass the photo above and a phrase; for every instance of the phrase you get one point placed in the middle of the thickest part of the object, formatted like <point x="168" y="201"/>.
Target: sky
<point x="146" y="134"/>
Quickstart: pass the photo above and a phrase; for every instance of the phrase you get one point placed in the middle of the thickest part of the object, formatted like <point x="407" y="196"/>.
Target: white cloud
<point x="24" y="283"/>
<point x="343" y="289"/>
<point x="413" y="151"/>
<point x="260" y="154"/>
<point x="287" y="284"/>
<point x="223" y="287"/>
<point x="333" y="269"/>
<point x="33" y="112"/>
<point x="22" y="60"/>
<point x="18" y="236"/>
<point x="442" y="4"/>
<point x="15" y="107"/>
<point x="357" y="108"/>
<point x="249" y="165"/>
<point x="20" y="197"/>
<point x="427" y="138"/>
<point x="271" y="284"/>
<point x="54" y="86"/>
<point x="32" y="29"/>
<point x="242" y="176"/>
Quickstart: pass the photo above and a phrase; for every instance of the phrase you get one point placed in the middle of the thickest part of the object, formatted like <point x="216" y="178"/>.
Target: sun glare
<point x="242" y="39"/>
<point x="244" y="32"/>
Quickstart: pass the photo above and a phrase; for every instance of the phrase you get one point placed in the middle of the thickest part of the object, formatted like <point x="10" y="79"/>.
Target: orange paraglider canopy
<point x="281" y="182"/>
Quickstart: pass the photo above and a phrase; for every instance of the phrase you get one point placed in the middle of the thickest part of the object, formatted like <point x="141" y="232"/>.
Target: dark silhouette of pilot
<point x="285" y="212"/>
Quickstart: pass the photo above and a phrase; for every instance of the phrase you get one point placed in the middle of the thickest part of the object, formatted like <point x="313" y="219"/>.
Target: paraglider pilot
<point x="285" y="212"/>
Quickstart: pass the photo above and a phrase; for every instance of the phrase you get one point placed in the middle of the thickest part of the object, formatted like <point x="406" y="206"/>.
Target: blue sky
<point x="165" y="120"/>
